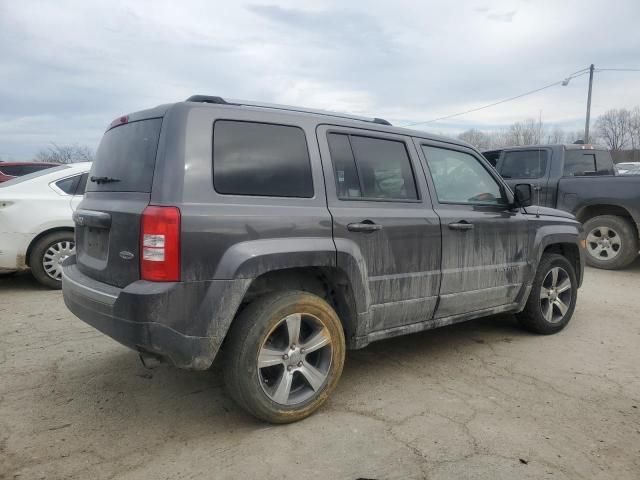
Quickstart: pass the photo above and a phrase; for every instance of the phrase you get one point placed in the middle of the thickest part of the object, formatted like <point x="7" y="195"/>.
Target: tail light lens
<point x="160" y="244"/>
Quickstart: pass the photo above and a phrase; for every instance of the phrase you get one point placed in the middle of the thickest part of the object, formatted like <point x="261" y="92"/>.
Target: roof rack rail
<point x="222" y="101"/>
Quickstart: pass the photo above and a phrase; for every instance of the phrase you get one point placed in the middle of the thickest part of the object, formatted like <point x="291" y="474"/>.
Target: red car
<point x="9" y="170"/>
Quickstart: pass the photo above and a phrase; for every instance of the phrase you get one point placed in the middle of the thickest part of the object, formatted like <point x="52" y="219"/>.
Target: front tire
<point x="612" y="242"/>
<point x="284" y="356"/>
<point x="553" y="296"/>
<point x="47" y="255"/>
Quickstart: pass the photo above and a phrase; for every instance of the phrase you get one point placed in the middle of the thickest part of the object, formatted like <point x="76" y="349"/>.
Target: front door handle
<point x="536" y="187"/>
<point x="462" y="225"/>
<point x="364" y="227"/>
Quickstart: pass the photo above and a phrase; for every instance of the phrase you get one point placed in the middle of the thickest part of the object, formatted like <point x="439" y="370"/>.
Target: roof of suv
<point x="322" y="115"/>
<point x="567" y="146"/>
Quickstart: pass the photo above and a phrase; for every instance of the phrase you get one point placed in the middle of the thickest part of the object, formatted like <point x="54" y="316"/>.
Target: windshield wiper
<point x="100" y="180"/>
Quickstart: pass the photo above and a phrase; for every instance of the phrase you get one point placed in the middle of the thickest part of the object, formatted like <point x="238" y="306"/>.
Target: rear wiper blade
<point x="100" y="180"/>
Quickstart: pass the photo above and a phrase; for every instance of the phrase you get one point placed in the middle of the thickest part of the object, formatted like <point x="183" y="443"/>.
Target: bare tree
<point x="574" y="136"/>
<point x="557" y="135"/>
<point x="64" y="154"/>
<point x="528" y="132"/>
<point x="477" y="138"/>
<point x="613" y="127"/>
<point x="634" y="128"/>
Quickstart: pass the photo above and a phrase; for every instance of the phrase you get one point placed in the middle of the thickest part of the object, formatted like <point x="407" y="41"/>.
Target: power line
<point x="573" y="75"/>
<point x="617" y="69"/>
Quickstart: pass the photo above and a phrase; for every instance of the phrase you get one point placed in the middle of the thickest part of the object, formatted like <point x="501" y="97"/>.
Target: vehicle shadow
<point x="115" y="390"/>
<point x="19" y="281"/>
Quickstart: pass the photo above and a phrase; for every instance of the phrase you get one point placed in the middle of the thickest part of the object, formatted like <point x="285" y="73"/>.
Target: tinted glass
<point x="128" y="154"/>
<point x="604" y="163"/>
<point x="492" y="157"/>
<point x="82" y="184"/>
<point x="27" y="169"/>
<point x="69" y="185"/>
<point x="577" y="163"/>
<point x="461" y="178"/>
<point x="344" y="165"/>
<point x="12" y="170"/>
<point x="26" y="178"/>
<point x="260" y="159"/>
<point x="384" y="168"/>
<point x="524" y="164"/>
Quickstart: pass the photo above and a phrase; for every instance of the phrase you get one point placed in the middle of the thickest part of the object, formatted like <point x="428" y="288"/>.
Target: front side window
<point x="460" y="178"/>
<point x="577" y="163"/>
<point x="261" y="159"/>
<point x="523" y="164"/>
<point x="371" y="168"/>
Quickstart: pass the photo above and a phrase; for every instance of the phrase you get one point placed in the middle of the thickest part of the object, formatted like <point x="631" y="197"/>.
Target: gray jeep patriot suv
<point x="278" y="237"/>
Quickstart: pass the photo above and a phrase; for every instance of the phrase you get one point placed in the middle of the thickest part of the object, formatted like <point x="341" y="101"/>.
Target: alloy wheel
<point x="603" y="243"/>
<point x="555" y="295"/>
<point x="295" y="359"/>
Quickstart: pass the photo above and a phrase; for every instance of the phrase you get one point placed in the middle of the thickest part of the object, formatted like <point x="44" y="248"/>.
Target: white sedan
<point x="36" y="228"/>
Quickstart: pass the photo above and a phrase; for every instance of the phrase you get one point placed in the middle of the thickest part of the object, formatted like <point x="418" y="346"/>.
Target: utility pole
<point x="586" y="126"/>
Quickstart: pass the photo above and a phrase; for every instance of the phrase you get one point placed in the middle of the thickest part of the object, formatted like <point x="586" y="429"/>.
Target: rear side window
<point x="69" y="185"/>
<point x="577" y="163"/>
<point x="127" y="157"/>
<point x="604" y="163"/>
<point x="261" y="159"/>
<point x="523" y="164"/>
<point x="371" y="168"/>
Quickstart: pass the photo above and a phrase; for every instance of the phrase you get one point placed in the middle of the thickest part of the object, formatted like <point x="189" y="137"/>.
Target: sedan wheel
<point x="54" y="256"/>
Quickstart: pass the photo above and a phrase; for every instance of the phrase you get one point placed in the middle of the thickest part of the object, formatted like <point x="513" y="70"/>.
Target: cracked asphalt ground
<point x="477" y="400"/>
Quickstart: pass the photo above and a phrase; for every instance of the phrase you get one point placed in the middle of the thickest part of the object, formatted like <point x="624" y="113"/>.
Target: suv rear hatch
<point x="118" y="191"/>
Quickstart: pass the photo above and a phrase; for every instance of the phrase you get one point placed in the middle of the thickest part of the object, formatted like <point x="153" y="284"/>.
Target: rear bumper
<point x="183" y="322"/>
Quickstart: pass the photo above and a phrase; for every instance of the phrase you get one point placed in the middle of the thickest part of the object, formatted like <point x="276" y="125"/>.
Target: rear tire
<point x="265" y="375"/>
<point x="553" y="296"/>
<point x="46" y="256"/>
<point x="612" y="242"/>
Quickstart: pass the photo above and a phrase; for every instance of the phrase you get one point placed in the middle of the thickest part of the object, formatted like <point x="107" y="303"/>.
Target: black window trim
<point x="504" y="188"/>
<point x="349" y="132"/>
<point x="242" y="195"/>
<point x="547" y="168"/>
<point x="587" y="151"/>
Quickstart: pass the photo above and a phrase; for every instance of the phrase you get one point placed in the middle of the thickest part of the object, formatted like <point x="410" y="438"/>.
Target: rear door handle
<point x="463" y="225"/>
<point x="364" y="227"/>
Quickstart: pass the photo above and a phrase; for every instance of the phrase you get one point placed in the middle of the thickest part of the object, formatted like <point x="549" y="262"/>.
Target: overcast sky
<point x="67" y="68"/>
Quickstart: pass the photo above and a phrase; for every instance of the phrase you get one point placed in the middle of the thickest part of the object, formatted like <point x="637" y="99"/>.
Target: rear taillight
<point x="160" y="244"/>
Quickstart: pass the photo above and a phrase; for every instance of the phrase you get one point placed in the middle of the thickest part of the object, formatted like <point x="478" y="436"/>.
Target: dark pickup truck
<point x="581" y="179"/>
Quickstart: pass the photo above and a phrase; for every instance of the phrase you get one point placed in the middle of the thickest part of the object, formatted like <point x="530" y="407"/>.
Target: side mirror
<point x="523" y="195"/>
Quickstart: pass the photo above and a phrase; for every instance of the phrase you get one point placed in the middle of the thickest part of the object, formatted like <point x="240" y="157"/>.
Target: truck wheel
<point x="553" y="296"/>
<point x="46" y="256"/>
<point x="612" y="242"/>
<point x="284" y="356"/>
